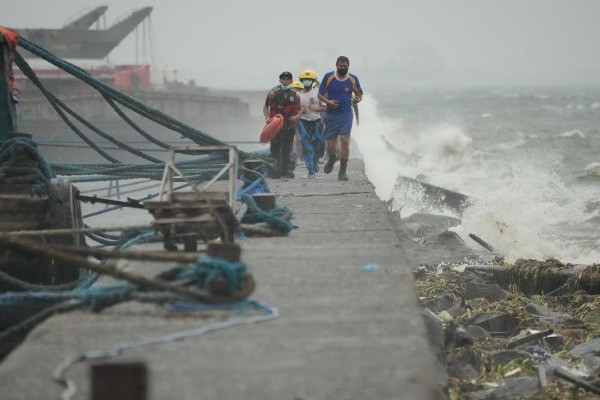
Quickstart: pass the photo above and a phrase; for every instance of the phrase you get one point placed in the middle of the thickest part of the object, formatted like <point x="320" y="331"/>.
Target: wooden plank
<point x="200" y="218"/>
<point x="20" y="225"/>
<point x="188" y="206"/>
<point x="199" y="196"/>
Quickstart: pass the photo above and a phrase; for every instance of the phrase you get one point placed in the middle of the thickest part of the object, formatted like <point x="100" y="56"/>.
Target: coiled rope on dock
<point x="204" y="274"/>
<point x="278" y="218"/>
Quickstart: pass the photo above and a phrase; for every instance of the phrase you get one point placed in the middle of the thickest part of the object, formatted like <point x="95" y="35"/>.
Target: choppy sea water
<point x="526" y="156"/>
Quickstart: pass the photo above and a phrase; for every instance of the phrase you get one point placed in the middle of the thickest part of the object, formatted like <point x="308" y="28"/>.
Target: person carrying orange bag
<point x="285" y="101"/>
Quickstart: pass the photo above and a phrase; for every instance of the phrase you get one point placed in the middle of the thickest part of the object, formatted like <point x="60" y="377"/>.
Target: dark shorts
<point x="337" y="124"/>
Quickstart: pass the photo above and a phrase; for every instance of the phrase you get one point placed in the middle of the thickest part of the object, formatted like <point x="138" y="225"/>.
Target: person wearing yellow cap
<point x="297" y="86"/>
<point x="309" y="125"/>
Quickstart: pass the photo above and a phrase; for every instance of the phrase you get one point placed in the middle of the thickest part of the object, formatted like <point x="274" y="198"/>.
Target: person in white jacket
<point x="309" y="125"/>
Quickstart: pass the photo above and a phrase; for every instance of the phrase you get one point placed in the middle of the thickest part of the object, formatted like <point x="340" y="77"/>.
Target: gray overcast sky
<point x="245" y="44"/>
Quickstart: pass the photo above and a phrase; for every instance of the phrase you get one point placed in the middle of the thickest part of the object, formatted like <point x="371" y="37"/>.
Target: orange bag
<point x="271" y="129"/>
<point x="12" y="37"/>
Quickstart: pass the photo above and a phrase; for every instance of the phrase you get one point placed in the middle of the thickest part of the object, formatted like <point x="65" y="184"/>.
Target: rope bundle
<point x="20" y="163"/>
<point x="278" y="218"/>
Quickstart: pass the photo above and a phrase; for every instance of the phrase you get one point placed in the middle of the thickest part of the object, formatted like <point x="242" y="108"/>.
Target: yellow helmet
<point x="297" y="85"/>
<point x="308" y="74"/>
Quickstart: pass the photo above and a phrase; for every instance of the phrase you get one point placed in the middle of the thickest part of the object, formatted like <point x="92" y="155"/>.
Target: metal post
<point x="126" y="381"/>
<point x="118" y="188"/>
<point x="167" y="179"/>
<point x="8" y="117"/>
<point x="170" y="177"/>
<point x="110" y="185"/>
<point x="232" y="176"/>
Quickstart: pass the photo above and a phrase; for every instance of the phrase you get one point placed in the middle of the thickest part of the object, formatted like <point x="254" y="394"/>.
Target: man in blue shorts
<point x="336" y="92"/>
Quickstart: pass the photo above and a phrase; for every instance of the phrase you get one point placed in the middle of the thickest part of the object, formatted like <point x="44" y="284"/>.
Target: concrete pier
<point x="349" y="324"/>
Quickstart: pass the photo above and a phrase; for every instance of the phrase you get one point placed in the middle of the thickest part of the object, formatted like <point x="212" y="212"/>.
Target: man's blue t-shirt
<point x="340" y="91"/>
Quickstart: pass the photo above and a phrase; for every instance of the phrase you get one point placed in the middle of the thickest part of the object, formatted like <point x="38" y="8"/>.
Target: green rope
<point x="22" y="64"/>
<point x="204" y="273"/>
<point x="207" y="269"/>
<point x="278" y="218"/>
<point x="135" y="126"/>
<point x="85" y="280"/>
<point x="113" y="96"/>
<point x="54" y="100"/>
<point x="121" y="98"/>
<point x="103" y="134"/>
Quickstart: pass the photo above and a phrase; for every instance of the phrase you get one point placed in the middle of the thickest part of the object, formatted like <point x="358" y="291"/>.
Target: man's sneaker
<point x="342" y="177"/>
<point x="311" y="175"/>
<point x="329" y="166"/>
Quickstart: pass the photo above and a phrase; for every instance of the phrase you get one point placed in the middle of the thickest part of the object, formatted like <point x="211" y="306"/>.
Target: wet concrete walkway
<point x="349" y="324"/>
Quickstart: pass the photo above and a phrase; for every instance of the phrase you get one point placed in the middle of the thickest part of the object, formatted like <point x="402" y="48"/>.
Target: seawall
<point x="349" y="324"/>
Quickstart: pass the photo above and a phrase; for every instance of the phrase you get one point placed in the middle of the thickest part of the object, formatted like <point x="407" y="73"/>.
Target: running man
<point x="336" y="92"/>
<point x="309" y="125"/>
<point x="285" y="101"/>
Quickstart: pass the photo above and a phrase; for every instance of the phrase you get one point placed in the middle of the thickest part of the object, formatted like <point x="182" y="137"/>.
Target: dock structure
<point x="349" y="325"/>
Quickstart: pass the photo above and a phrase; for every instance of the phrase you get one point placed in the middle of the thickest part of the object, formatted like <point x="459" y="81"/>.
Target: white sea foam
<point x="379" y="147"/>
<point x="593" y="169"/>
<point x="521" y="208"/>
<point x="573" y="133"/>
<point x="524" y="215"/>
<point x="511" y="145"/>
<point x="541" y="96"/>
<point x="552" y="108"/>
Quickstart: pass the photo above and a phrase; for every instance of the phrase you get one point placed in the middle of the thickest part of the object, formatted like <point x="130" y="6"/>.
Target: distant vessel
<point x="225" y="117"/>
<point x="76" y="40"/>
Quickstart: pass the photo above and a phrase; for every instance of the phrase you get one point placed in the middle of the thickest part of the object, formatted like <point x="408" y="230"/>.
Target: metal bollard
<point x="265" y="201"/>
<point x="119" y="381"/>
<point x="226" y="251"/>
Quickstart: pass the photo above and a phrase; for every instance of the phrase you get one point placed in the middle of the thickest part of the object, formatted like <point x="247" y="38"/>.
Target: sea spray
<point x="522" y="214"/>
<point x="520" y="207"/>
<point x="380" y="157"/>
